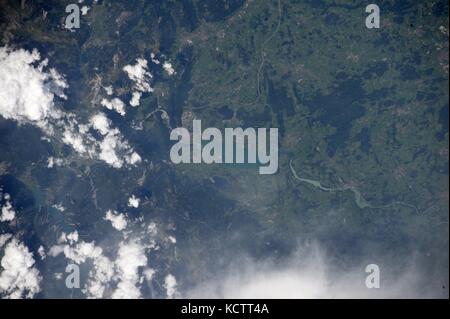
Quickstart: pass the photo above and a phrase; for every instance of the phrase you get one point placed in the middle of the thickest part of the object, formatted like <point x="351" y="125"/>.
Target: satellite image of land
<point x="93" y="205"/>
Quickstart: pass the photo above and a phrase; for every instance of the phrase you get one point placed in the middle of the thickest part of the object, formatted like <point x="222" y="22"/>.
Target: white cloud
<point x="130" y="257"/>
<point x="74" y="139"/>
<point x="58" y="83"/>
<point x="73" y="237"/>
<point x="152" y="229"/>
<point x="99" y="277"/>
<point x="154" y="59"/>
<point x="108" y="147"/>
<point x="27" y="95"/>
<point x="109" y="90"/>
<point x="59" y="207"/>
<point x="309" y="274"/>
<point x="116" y="269"/>
<point x="133" y="201"/>
<point x="102" y="271"/>
<point x="170" y="284"/>
<point x="26" y="91"/>
<point x="101" y="123"/>
<point x="113" y="149"/>
<point x="52" y="161"/>
<point x="124" y="269"/>
<point x="136" y="98"/>
<point x="8" y="213"/>
<point x="18" y="278"/>
<point x="4" y="238"/>
<point x="140" y="75"/>
<point x="119" y="277"/>
<point x="117" y="220"/>
<point x="133" y="158"/>
<point x="84" y="10"/>
<point x="41" y="252"/>
<point x="149" y="273"/>
<point x="58" y="275"/>
<point x="78" y="253"/>
<point x="168" y="68"/>
<point x="115" y="104"/>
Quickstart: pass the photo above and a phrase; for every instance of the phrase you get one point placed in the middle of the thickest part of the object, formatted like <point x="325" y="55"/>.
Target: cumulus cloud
<point x="41" y="252"/>
<point x="113" y="149"/>
<point x="117" y="220"/>
<point x="119" y="276"/>
<point x="154" y="59"/>
<point x="133" y="201"/>
<point x="115" y="104"/>
<point x="53" y="161"/>
<point x="7" y="211"/>
<point x="27" y="94"/>
<point x="149" y="273"/>
<point x="100" y="274"/>
<point x="77" y="138"/>
<point x="71" y="237"/>
<point x="124" y="270"/>
<point x="130" y="258"/>
<point x="4" y="238"/>
<point x="139" y="74"/>
<point x="99" y="277"/>
<point x="168" y="68"/>
<point x="109" y="90"/>
<point x="172" y="239"/>
<point x="19" y="278"/>
<point x="26" y="91"/>
<point x="136" y="98"/>
<point x="84" y="10"/>
<point x="170" y="284"/>
<point x="101" y="123"/>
